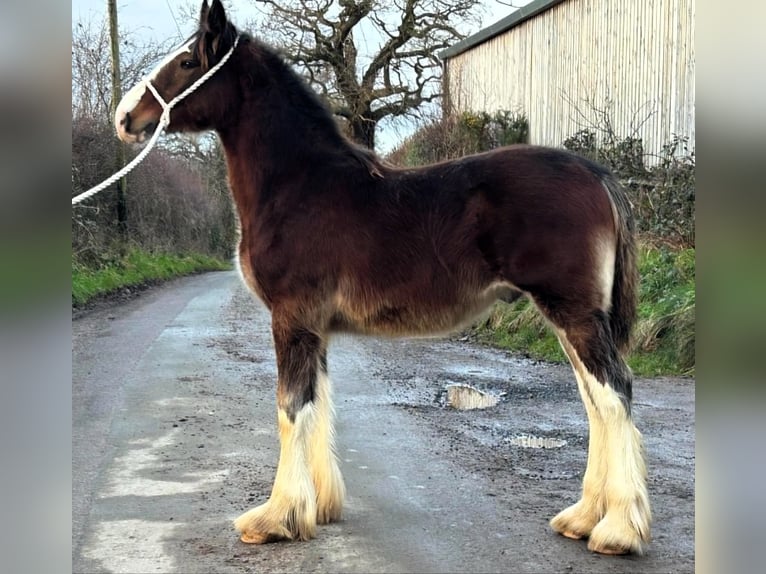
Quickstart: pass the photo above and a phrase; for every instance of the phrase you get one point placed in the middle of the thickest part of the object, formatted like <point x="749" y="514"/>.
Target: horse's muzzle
<point x="128" y="132"/>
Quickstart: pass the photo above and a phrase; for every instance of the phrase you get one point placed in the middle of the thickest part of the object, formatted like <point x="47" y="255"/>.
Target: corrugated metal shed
<point x="562" y="62"/>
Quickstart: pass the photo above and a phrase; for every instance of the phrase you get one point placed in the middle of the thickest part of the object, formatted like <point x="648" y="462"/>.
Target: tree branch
<point x="320" y="36"/>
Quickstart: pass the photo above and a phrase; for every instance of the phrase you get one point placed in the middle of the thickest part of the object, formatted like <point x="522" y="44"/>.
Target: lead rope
<point x="163" y="123"/>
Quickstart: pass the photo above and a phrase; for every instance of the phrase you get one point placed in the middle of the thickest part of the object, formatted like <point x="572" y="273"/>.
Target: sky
<point x="160" y="20"/>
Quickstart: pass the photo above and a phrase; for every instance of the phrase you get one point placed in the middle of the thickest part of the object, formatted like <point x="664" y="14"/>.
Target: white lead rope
<point x="163" y="123"/>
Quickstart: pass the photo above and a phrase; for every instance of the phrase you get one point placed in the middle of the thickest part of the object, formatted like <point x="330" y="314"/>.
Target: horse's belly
<point x="419" y="317"/>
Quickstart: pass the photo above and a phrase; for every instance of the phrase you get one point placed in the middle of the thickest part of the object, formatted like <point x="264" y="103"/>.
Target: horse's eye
<point x="189" y="64"/>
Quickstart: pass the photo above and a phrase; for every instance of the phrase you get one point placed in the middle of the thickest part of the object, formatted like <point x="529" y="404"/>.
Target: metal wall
<point x="632" y="58"/>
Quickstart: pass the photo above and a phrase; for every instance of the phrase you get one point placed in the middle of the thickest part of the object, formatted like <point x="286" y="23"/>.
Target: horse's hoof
<point x="573" y="535"/>
<point x="608" y="550"/>
<point x="254" y="538"/>
<point x="259" y="532"/>
<point x="575" y="522"/>
<point x="266" y="523"/>
<point x="615" y="537"/>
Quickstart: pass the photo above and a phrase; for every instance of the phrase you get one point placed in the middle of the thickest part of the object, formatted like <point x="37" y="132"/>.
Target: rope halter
<point x="166" y="107"/>
<point x="163" y="123"/>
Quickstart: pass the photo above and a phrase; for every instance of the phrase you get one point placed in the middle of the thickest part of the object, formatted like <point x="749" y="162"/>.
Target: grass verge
<point x="663" y="337"/>
<point x="136" y="268"/>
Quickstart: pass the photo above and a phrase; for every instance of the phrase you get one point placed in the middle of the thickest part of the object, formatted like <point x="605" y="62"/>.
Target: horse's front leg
<point x="322" y="458"/>
<point x="291" y="510"/>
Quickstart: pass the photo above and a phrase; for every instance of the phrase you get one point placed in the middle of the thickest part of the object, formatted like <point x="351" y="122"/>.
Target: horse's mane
<point x="315" y="108"/>
<point x="301" y="97"/>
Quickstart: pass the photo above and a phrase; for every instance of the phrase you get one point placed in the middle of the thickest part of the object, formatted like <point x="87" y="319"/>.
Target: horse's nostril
<point x="125" y="121"/>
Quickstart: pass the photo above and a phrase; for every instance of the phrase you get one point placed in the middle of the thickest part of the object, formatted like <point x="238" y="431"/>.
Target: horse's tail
<point x="622" y="315"/>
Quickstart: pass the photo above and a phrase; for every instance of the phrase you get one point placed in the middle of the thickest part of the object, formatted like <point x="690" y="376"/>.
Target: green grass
<point x="136" y="268"/>
<point x="663" y="337"/>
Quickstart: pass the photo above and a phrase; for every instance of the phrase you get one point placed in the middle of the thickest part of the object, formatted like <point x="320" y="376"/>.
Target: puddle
<point x="536" y="442"/>
<point x="473" y="371"/>
<point x="466" y="397"/>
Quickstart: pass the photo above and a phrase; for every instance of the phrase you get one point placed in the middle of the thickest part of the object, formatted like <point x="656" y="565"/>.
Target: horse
<point x="335" y="240"/>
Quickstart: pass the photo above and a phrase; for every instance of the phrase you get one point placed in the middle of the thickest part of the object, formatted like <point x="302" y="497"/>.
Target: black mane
<point x="311" y="107"/>
<point x="271" y="70"/>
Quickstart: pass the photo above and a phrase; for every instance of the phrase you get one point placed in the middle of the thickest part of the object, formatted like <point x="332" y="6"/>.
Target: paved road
<point x="175" y="435"/>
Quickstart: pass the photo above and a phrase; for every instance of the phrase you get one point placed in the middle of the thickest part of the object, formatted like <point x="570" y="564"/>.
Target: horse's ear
<point x="215" y="18"/>
<point x="203" y="13"/>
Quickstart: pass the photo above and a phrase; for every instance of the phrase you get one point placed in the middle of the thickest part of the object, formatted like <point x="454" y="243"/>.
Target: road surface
<point x="174" y="435"/>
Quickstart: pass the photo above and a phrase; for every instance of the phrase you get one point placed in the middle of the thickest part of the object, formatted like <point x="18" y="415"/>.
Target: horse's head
<point x="139" y="111"/>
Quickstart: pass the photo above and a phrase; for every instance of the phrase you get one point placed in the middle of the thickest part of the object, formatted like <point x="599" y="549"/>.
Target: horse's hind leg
<point x="614" y="509"/>
<point x="291" y="511"/>
<point x="323" y="461"/>
<point x="578" y="520"/>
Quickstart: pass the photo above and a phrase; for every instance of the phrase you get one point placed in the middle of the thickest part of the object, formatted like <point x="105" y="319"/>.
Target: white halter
<point x="167" y="106"/>
<point x="163" y="123"/>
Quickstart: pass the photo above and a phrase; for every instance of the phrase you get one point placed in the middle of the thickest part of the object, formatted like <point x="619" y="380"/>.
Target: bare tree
<point x="91" y="68"/>
<point x="371" y="59"/>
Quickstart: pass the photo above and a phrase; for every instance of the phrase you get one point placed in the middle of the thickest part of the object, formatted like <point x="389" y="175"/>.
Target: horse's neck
<point x="260" y="159"/>
<point x="272" y="141"/>
<point x="247" y="164"/>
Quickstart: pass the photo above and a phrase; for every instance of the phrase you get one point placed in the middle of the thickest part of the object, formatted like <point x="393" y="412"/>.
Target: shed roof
<point x="514" y="19"/>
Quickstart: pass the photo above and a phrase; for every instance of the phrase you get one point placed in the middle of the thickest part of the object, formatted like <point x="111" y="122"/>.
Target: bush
<point x="176" y="202"/>
<point x="662" y="195"/>
<point x="458" y="135"/>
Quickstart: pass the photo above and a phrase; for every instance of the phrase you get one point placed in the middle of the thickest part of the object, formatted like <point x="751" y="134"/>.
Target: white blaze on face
<point x="130" y="100"/>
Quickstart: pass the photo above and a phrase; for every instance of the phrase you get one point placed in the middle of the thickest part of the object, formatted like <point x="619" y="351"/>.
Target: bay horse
<point x="332" y="240"/>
